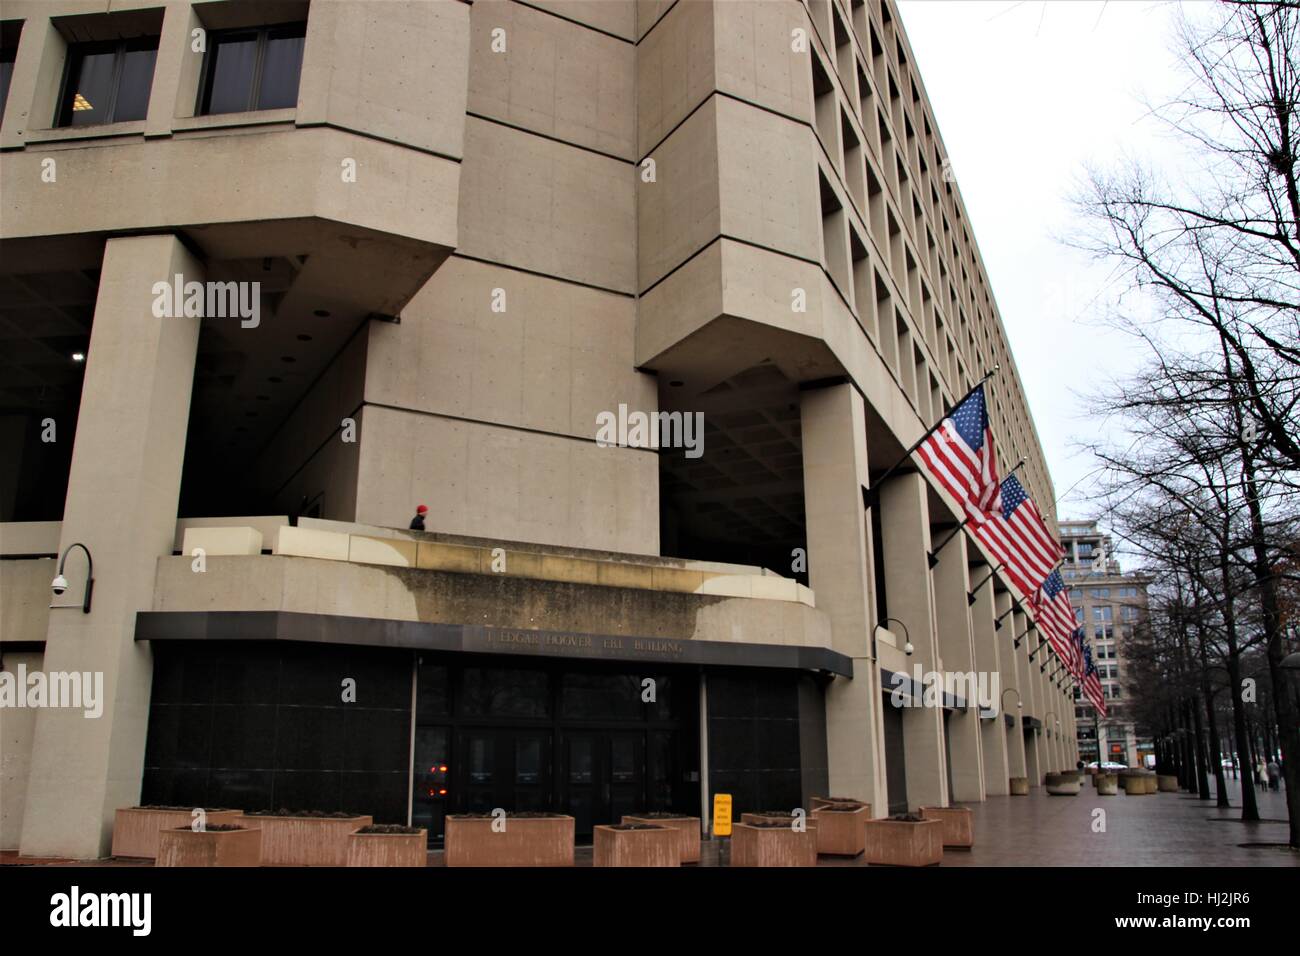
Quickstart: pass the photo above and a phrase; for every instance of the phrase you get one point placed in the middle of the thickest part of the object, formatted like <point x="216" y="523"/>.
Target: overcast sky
<point x="1027" y="95"/>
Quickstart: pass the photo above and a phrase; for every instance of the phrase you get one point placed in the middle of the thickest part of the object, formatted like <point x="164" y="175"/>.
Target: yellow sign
<point x="722" y="814"/>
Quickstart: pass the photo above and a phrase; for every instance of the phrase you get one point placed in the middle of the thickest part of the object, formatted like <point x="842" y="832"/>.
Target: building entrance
<point x="592" y="740"/>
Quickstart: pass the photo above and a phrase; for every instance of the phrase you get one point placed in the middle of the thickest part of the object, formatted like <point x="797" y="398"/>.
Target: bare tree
<point x="1218" y="254"/>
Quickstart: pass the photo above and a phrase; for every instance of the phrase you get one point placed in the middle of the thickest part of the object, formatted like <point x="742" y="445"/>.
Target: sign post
<point x="722" y="814"/>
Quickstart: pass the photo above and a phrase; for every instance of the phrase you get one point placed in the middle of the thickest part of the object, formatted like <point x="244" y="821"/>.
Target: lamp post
<point x="907" y="638"/>
<point x="60" y="583"/>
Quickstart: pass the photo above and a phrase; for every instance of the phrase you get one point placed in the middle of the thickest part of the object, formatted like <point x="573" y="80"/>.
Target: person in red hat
<point x="417" y="523"/>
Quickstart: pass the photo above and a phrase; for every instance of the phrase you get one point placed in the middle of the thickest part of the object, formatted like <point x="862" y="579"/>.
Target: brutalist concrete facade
<point x="482" y="227"/>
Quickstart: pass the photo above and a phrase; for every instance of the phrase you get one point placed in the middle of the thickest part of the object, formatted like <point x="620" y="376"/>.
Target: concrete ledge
<point x="221" y="541"/>
<point x="30" y="537"/>
<point x="302" y="543"/>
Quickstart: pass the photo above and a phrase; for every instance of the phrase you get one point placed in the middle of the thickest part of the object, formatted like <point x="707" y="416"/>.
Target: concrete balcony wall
<point x="489" y="480"/>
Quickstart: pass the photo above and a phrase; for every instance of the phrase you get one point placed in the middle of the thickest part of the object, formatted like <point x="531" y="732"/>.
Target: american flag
<point x="1092" y="682"/>
<point x="959" y="455"/>
<point x="1017" y="536"/>
<point x="1055" y="618"/>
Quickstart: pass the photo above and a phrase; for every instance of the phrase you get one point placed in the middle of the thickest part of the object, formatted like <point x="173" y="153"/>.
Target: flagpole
<point x="970" y="595"/>
<point x="933" y="556"/>
<point x="869" y="494"/>
<point x="997" y="621"/>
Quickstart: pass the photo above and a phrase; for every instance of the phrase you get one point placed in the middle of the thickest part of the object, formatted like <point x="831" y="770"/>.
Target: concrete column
<point x="993" y="738"/>
<point x="1035" y="756"/>
<point x="905" y="524"/>
<point x="122" y="494"/>
<point x="1009" y="657"/>
<point x="840" y="573"/>
<point x="957" y="651"/>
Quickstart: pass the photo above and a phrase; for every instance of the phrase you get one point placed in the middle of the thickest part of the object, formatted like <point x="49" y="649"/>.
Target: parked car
<point x="1109" y="765"/>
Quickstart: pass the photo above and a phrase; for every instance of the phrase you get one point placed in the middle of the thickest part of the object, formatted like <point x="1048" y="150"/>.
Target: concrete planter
<point x="640" y="844"/>
<point x="136" y="829"/>
<point x="904" y="842"/>
<point x="1063" y="784"/>
<point x="1137" y="784"/>
<point x="525" y="841"/>
<point x="1019" y="786"/>
<point x="1166" y="783"/>
<point x="810" y="822"/>
<point x="958" y="827"/>
<point x="840" y="828"/>
<point x="754" y="844"/>
<point x="1149" y="782"/>
<point x="240" y="846"/>
<point x="306" y="841"/>
<point x="687" y="827"/>
<point x="388" y="849"/>
<point x="1107" y="784"/>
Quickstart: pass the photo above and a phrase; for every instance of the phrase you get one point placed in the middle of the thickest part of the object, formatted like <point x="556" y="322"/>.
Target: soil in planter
<point x="522" y="815"/>
<point x="155" y="806"/>
<point x="635" y="826"/>
<point x="312" y="814"/>
<point x="660" y="815"/>
<point x="217" y="828"/>
<point x="907" y="818"/>
<point x="769" y="825"/>
<point x="392" y="828"/>
<point x="774" y="813"/>
<point x="842" y="808"/>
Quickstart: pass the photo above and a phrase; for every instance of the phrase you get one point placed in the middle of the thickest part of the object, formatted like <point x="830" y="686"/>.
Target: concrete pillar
<point x="1016" y="666"/>
<point x="905" y="524"/>
<point x="993" y="738"/>
<point x="840" y="573"/>
<point x="957" y="651"/>
<point x="1014" y="702"/>
<point x="1033" y="703"/>
<point x="122" y="494"/>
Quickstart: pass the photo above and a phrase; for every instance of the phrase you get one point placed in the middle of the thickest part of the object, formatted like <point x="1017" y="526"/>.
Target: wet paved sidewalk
<point x="1161" y="829"/>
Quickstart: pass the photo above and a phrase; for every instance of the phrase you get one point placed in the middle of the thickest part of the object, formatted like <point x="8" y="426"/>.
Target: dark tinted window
<point x="6" y="74"/>
<point x="254" y="69"/>
<point x="108" y="82"/>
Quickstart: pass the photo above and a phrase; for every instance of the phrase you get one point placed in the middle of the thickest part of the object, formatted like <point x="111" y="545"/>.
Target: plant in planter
<point x="306" y="837"/>
<point x="688" y="827"/>
<point x="636" y="844"/>
<point x="839" y="827"/>
<point x="518" y="839"/>
<point x="819" y="802"/>
<point x="136" y="829"/>
<point x="388" y="845"/>
<point x="958" y="828"/>
<point x="772" y="842"/>
<point x="904" y="840"/>
<point x="1063" y="784"/>
<point x="221" y="844"/>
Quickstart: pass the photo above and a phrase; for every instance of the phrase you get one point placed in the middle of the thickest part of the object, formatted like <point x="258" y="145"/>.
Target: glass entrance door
<point x="604" y="776"/>
<point x="503" y="768"/>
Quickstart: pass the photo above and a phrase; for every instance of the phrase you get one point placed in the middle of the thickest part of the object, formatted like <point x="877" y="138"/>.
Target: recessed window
<point x="253" y="69"/>
<point x="108" y="82"/>
<point x="8" y="52"/>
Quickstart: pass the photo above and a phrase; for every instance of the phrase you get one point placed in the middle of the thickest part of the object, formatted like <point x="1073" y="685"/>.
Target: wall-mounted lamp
<point x="60" y="583"/>
<point x="907" y="638"/>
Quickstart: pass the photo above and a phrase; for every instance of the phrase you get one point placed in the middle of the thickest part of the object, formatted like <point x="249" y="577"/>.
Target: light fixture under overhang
<point x="78" y="356"/>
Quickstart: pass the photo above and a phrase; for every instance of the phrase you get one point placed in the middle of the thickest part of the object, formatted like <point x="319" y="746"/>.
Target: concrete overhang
<point x="476" y="639"/>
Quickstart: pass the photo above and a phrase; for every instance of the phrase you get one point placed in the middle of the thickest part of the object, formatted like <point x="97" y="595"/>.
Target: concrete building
<point x="1109" y="605"/>
<point x="480" y="232"/>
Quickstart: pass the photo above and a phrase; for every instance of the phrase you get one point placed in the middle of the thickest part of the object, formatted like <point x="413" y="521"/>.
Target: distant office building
<point x="1108" y="604"/>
